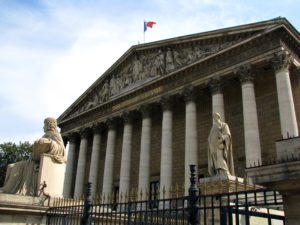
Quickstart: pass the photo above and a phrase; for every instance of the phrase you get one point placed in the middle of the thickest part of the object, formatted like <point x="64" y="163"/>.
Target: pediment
<point x="147" y="62"/>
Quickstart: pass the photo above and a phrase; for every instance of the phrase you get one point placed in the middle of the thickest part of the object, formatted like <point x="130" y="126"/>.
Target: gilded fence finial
<point x="147" y="194"/>
<point x="136" y="193"/>
<point x="100" y="198"/>
<point x="141" y="195"/>
<point x="158" y="193"/>
<point x="121" y="197"/>
<point x="104" y="198"/>
<point x="177" y="190"/>
<point x="164" y="191"/>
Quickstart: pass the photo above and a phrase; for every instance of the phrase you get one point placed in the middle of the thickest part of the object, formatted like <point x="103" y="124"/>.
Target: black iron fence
<point x="244" y="207"/>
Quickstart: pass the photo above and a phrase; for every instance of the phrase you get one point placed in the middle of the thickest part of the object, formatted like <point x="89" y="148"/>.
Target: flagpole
<point x="144" y="31"/>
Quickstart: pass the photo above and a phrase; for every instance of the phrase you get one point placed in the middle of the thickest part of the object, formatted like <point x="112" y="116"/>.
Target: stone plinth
<point x="223" y="184"/>
<point x="53" y="174"/>
<point x="22" y="210"/>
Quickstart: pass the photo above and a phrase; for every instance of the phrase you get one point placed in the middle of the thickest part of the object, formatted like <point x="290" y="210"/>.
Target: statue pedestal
<point x="53" y="174"/>
<point x="23" y="210"/>
<point x="223" y="184"/>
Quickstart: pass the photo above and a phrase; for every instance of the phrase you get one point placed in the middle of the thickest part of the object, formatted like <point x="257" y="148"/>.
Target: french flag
<point x="148" y="24"/>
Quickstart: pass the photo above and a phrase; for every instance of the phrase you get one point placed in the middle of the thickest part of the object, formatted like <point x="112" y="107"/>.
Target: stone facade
<point x="151" y="73"/>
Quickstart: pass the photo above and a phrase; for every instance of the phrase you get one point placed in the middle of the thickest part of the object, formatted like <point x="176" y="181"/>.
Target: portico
<point x="152" y="129"/>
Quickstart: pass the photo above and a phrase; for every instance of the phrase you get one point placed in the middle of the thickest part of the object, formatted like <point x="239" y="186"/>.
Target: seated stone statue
<point x="21" y="177"/>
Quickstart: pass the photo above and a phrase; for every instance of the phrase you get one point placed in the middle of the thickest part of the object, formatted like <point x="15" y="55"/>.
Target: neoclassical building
<point x="149" y="115"/>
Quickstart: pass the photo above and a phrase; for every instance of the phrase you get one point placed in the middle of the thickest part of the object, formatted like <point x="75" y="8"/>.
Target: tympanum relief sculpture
<point x="145" y="67"/>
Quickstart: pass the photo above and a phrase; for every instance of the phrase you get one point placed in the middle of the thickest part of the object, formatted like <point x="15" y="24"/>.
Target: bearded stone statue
<point x="220" y="160"/>
<point x="21" y="177"/>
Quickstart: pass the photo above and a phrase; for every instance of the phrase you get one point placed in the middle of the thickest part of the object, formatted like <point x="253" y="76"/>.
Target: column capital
<point x="281" y="61"/>
<point x="127" y="117"/>
<point x="72" y="137"/>
<point x="145" y="110"/>
<point x="166" y="102"/>
<point x="97" y="128"/>
<point x="189" y="93"/>
<point x="215" y="85"/>
<point x="245" y="73"/>
<point x="111" y="123"/>
<point x="85" y="132"/>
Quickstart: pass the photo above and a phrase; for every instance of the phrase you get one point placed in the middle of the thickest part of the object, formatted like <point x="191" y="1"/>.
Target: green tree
<point x="11" y="153"/>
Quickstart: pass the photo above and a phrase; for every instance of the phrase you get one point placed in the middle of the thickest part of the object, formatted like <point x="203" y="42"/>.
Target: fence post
<point x="193" y="207"/>
<point x="85" y="220"/>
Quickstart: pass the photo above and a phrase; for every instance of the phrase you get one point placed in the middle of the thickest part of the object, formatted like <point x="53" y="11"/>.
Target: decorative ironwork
<point x="224" y="208"/>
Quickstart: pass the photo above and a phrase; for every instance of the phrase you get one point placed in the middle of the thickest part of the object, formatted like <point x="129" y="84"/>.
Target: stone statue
<point x="220" y="160"/>
<point x="169" y="61"/>
<point x="159" y="64"/>
<point x="21" y="177"/>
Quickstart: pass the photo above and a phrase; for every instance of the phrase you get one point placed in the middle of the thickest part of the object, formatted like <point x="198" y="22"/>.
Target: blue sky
<point x="51" y="51"/>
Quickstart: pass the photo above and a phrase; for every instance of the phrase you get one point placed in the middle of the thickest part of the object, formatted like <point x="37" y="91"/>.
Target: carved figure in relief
<point x="191" y="56"/>
<point x="127" y="79"/>
<point x="113" y="86"/>
<point x="136" y="68"/>
<point x="21" y="177"/>
<point x="169" y="60"/>
<point x="93" y="102"/>
<point x="220" y="160"/>
<point x="159" y="64"/>
<point x="200" y="53"/>
<point x="119" y="83"/>
<point x="145" y="69"/>
<point x="177" y="58"/>
<point x="104" y="93"/>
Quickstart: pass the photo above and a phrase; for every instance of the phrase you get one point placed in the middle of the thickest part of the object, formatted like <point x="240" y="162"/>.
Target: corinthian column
<point x="191" y="147"/>
<point x="251" y="131"/>
<point x="288" y="121"/>
<point x="217" y="97"/>
<point x="95" y="159"/>
<point x="81" y="164"/>
<point x="70" y="167"/>
<point x="144" y="168"/>
<point x="166" y="148"/>
<point x="109" y="158"/>
<point x="126" y="155"/>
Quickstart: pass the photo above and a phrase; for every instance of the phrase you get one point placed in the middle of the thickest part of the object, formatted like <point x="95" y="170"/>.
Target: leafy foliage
<point x="11" y="153"/>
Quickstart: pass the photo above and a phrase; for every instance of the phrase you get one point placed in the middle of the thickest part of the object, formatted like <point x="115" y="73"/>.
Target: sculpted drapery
<point x="21" y="177"/>
<point x="220" y="160"/>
